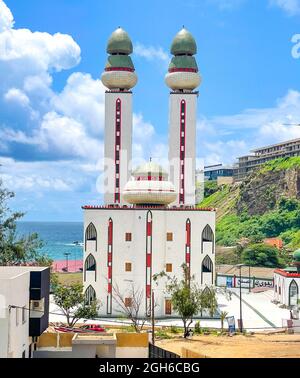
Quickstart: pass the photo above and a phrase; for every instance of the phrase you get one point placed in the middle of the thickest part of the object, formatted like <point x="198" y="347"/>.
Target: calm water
<point x="58" y="237"/>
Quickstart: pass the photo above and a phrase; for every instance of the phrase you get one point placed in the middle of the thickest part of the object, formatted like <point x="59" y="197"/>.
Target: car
<point x="93" y="328"/>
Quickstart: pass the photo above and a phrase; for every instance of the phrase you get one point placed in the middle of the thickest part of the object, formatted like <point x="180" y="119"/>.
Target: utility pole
<point x="67" y="260"/>
<point x="241" y="314"/>
<point x="153" y="320"/>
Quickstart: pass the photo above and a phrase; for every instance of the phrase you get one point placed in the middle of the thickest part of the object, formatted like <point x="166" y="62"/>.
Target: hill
<point x="266" y="204"/>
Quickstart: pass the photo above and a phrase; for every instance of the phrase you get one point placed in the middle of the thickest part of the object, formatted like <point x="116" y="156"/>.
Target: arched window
<point x="293" y="293"/>
<point x="90" y="266"/>
<point x="90" y="295"/>
<point x="207" y="267"/>
<point x="208" y="236"/>
<point x="91" y="234"/>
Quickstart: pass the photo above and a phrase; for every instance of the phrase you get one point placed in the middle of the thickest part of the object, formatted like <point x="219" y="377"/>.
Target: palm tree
<point x="223" y="316"/>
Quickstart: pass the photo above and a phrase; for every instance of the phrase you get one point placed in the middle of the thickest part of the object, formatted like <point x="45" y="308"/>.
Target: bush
<point x="197" y="329"/>
<point x="261" y="255"/>
<point x="174" y="329"/>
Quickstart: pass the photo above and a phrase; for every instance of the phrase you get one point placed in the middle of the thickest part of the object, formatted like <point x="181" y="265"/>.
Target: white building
<point x="147" y="224"/>
<point x="287" y="283"/>
<point x="24" y="309"/>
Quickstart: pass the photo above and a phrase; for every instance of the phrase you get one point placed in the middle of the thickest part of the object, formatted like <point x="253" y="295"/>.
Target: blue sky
<point x="52" y="100"/>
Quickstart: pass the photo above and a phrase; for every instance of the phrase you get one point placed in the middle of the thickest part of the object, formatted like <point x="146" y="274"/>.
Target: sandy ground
<point x="256" y="346"/>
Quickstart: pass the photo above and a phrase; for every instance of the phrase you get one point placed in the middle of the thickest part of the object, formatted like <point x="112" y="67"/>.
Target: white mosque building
<point x="149" y="221"/>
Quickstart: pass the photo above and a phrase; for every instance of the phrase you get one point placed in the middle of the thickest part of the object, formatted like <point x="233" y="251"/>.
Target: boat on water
<point x="78" y="243"/>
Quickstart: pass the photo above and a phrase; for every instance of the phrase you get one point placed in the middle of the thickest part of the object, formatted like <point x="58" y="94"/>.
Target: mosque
<point x="149" y="221"/>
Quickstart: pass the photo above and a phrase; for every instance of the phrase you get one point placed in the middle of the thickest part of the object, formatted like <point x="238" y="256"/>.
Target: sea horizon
<point x="59" y="237"/>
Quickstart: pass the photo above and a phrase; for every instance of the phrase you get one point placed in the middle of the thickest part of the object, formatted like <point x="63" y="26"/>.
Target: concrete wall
<point x="190" y="139"/>
<point x="126" y="142"/>
<point x="14" y="339"/>
<point x="163" y="251"/>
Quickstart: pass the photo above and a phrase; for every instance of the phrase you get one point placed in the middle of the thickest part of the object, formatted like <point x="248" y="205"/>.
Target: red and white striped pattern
<point x="109" y="266"/>
<point x="149" y="226"/>
<point x="118" y="151"/>
<point x="188" y="245"/>
<point x="182" y="152"/>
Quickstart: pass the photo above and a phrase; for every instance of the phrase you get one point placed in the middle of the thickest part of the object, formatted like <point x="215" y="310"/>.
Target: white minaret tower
<point x="183" y="78"/>
<point x="119" y="78"/>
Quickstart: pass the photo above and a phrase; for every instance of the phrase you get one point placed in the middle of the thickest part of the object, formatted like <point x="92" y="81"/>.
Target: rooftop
<point x="10" y="272"/>
<point x="257" y="272"/>
<point x="174" y="208"/>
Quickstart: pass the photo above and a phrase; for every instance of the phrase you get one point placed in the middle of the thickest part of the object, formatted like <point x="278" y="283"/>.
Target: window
<point x="23" y="315"/>
<point x="128" y="236"/>
<point x="207" y="234"/>
<point x="169" y="268"/>
<point x="128" y="302"/>
<point x="128" y="267"/>
<point x="90" y="295"/>
<point x="168" y="307"/>
<point x="170" y="236"/>
<point x="90" y="265"/>
<point x="90" y="234"/>
<point x="293" y="293"/>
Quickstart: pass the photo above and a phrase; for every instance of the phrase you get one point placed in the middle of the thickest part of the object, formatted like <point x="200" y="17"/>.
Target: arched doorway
<point x="293" y="293"/>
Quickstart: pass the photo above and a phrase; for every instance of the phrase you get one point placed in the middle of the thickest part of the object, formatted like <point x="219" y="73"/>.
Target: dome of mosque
<point x="184" y="43"/>
<point x="119" y="43"/>
<point x="149" y="186"/>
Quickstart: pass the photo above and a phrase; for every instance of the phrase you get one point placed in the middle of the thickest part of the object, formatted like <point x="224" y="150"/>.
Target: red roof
<point x="175" y="208"/>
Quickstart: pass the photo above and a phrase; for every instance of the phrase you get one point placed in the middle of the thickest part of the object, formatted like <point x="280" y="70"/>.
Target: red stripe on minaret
<point x="118" y="123"/>
<point x="109" y="265"/>
<point x="148" y="283"/>
<point x="148" y="260"/>
<point x="188" y="245"/>
<point x="149" y="228"/>
<point x="182" y="143"/>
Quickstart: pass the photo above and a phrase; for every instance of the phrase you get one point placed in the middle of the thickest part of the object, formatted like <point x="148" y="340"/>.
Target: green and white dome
<point x="119" y="70"/>
<point x="119" y="43"/>
<point x="184" y="43"/>
<point x="183" y="70"/>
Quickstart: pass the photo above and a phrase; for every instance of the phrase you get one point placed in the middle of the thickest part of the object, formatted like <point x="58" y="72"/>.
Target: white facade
<point x="148" y="251"/>
<point x="14" y="328"/>
<point x="182" y="145"/>
<point x="118" y="144"/>
<point x="286" y="287"/>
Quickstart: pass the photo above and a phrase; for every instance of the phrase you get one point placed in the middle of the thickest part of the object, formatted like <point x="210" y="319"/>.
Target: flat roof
<point x="152" y="208"/>
<point x="257" y="272"/>
<point x="8" y="272"/>
<point x="277" y="144"/>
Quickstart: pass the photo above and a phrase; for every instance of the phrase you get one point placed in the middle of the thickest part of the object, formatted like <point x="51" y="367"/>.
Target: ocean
<point x="58" y="238"/>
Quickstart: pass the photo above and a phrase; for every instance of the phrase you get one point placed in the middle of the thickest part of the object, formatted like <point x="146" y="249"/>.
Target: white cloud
<point x="6" y="17"/>
<point x="223" y="138"/>
<point x="83" y="100"/>
<point x="291" y="7"/>
<point x="151" y="52"/>
<point x="226" y="4"/>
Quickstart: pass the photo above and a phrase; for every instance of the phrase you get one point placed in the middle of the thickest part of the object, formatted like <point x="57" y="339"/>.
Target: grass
<point x="69" y="278"/>
<point x="281" y="164"/>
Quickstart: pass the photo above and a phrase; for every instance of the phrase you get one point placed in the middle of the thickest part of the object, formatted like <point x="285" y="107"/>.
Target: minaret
<point x="119" y="77"/>
<point x="183" y="78"/>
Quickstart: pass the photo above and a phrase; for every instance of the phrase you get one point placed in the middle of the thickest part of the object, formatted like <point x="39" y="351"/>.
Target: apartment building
<point x="24" y="309"/>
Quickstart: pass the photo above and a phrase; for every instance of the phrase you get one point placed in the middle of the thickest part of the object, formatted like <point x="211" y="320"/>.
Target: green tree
<point x="15" y="249"/>
<point x="261" y="255"/>
<point x="70" y="299"/>
<point x="188" y="300"/>
<point x="223" y="316"/>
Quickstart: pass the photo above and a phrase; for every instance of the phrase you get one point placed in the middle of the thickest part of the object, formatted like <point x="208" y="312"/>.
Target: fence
<point x="156" y="352"/>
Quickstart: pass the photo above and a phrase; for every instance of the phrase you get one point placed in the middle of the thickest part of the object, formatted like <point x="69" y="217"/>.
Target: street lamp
<point x="67" y="260"/>
<point x="239" y="266"/>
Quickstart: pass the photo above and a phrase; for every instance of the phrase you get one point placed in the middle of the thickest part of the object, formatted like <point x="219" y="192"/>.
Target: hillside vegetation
<point x="266" y="204"/>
